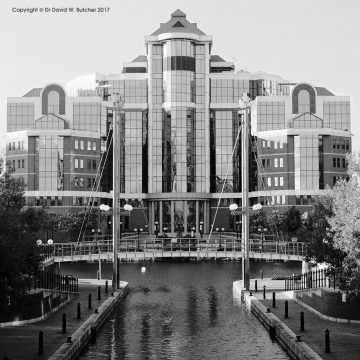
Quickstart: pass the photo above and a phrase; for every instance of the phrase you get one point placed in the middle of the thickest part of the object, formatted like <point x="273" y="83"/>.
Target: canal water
<point x="183" y="310"/>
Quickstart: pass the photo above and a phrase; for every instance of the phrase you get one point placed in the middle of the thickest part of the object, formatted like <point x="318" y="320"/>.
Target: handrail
<point x="47" y="280"/>
<point x="311" y="280"/>
<point x="181" y="244"/>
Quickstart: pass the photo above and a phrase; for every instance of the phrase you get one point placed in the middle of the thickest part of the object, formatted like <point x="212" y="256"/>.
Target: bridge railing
<point x="169" y="244"/>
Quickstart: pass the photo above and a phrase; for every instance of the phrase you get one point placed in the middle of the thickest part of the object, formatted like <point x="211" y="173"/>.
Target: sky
<point x="314" y="41"/>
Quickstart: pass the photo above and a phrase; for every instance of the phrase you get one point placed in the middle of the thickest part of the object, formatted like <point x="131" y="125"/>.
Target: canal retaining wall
<point x="81" y="338"/>
<point x="329" y="304"/>
<point x="286" y="337"/>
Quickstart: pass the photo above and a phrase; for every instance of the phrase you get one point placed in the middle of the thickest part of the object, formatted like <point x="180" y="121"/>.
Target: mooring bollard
<point x="274" y="300"/>
<point x="327" y="341"/>
<point x="286" y="309"/>
<point x="99" y="293"/>
<point x="302" y="321"/>
<point x="89" y="302"/>
<point x="106" y="287"/>
<point x="264" y="292"/>
<point x="64" y="324"/>
<point x="256" y="289"/>
<point x="41" y="343"/>
<point x="78" y="311"/>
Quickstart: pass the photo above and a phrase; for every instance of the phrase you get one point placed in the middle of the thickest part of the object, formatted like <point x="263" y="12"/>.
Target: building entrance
<point x="179" y="217"/>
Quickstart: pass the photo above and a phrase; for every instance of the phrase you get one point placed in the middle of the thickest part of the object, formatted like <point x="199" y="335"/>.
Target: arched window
<point x="304" y="101"/>
<point x="53" y="102"/>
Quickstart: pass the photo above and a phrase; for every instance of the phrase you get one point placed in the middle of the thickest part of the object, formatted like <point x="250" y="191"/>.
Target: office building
<point x="180" y="153"/>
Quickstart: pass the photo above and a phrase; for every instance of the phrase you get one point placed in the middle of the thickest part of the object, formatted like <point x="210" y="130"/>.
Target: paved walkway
<point x="21" y="342"/>
<point x="344" y="337"/>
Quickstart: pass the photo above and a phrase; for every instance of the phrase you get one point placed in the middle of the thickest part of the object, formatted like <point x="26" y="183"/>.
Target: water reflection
<point x="145" y="335"/>
<point x="183" y="311"/>
<point x="192" y="311"/>
<point x="213" y="303"/>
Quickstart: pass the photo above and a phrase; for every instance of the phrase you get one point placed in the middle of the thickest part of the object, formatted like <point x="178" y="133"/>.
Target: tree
<point x="292" y="219"/>
<point x="317" y="232"/>
<point x="19" y="255"/>
<point x="345" y="224"/>
<point x="332" y="228"/>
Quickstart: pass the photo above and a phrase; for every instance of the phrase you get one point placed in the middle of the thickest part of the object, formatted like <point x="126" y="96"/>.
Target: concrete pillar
<point x="161" y="216"/>
<point x="151" y="217"/>
<point x="172" y="216"/>
<point x="185" y="215"/>
<point x="206" y="216"/>
<point x="197" y="217"/>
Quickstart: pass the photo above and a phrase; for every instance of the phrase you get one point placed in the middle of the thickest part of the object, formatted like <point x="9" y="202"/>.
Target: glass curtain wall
<point x="49" y="151"/>
<point x="179" y="120"/>
<point x="306" y="155"/>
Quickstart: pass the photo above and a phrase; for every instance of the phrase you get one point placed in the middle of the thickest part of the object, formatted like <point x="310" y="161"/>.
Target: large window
<point x="271" y="115"/>
<point x="87" y="116"/>
<point x="50" y="163"/>
<point x="53" y="102"/>
<point x="306" y="154"/>
<point x="20" y="116"/>
<point x="303" y="101"/>
<point x="337" y="115"/>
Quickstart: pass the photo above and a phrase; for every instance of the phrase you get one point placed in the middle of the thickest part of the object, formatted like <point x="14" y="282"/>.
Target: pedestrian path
<point x="21" y="342"/>
<point x="344" y="337"/>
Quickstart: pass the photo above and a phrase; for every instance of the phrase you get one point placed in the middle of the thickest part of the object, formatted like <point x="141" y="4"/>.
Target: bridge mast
<point x="244" y="106"/>
<point x="118" y="103"/>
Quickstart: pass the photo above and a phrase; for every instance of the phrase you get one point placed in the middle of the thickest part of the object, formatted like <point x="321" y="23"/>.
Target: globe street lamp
<point x="156" y="224"/>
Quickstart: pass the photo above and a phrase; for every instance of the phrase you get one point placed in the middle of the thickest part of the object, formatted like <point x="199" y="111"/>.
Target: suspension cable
<point x="224" y="183"/>
<point x="255" y="148"/>
<point x="90" y="204"/>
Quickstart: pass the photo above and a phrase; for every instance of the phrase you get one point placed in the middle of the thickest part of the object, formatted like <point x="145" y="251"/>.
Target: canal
<point x="183" y="310"/>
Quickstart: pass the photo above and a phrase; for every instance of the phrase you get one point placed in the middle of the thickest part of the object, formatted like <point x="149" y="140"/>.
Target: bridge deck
<point x="176" y="248"/>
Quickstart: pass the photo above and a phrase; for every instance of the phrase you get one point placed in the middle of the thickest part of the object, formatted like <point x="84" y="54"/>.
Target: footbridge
<point x="152" y="249"/>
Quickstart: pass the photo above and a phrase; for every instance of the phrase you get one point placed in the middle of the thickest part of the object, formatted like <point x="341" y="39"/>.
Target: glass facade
<point x="306" y="156"/>
<point x="49" y="163"/>
<point x="337" y="114"/>
<point x="20" y="116"/>
<point x="49" y="122"/>
<point x="307" y="120"/>
<point x="228" y="90"/>
<point x="87" y="116"/>
<point x="271" y="115"/>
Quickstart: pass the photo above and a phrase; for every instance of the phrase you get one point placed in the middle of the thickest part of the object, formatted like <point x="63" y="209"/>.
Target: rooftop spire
<point x="178" y="13"/>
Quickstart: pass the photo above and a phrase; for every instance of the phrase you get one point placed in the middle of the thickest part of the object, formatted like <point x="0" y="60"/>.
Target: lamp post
<point x="201" y="228"/>
<point x="156" y="228"/>
<point x="222" y="231"/>
<point x="138" y="231"/>
<point x="238" y="224"/>
<point x="262" y="230"/>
